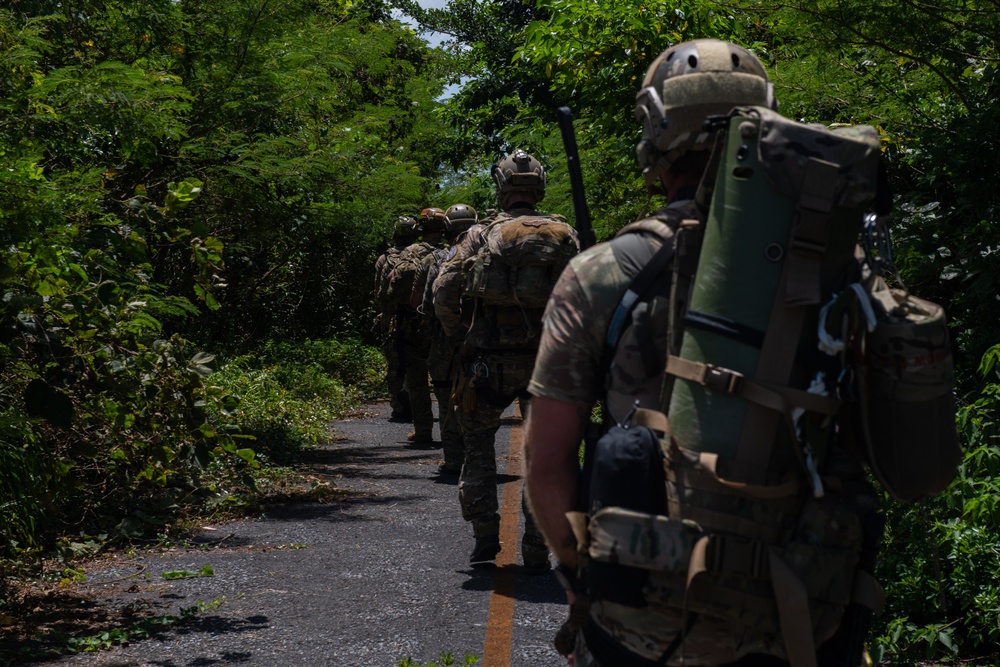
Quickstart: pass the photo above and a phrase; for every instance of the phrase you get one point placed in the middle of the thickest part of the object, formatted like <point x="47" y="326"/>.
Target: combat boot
<point x="486" y="549"/>
<point x="420" y="439"/>
<point x="535" y="555"/>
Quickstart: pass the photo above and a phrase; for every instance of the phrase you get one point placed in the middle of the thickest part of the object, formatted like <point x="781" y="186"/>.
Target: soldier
<point x="442" y="357"/>
<point x="499" y="315"/>
<point x="682" y="87"/>
<point x="416" y="336"/>
<point x="405" y="231"/>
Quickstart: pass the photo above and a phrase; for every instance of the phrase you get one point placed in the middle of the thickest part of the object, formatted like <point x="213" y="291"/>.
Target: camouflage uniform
<point x="569" y="368"/>
<point x="387" y="332"/>
<point x="576" y="321"/>
<point x="441" y="360"/>
<point x="491" y="378"/>
<point x="417" y="343"/>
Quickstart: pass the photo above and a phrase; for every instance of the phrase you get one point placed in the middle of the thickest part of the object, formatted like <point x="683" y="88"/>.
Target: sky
<point x="434" y="38"/>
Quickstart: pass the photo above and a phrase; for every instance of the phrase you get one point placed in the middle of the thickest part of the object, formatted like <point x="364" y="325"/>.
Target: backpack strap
<point x="800" y="288"/>
<point x="636" y="289"/>
<point x="776" y="397"/>
<point x="633" y="295"/>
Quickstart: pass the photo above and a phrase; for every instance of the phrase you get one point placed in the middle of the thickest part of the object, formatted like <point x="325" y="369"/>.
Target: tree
<point x="177" y="176"/>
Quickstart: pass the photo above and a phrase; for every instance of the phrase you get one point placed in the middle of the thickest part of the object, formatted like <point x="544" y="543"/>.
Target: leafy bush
<point x="350" y="361"/>
<point x="289" y="394"/>
<point x="121" y="267"/>
<point x="940" y="560"/>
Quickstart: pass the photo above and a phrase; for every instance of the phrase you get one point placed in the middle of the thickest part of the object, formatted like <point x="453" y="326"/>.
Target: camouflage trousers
<point x="394" y="374"/>
<point x="709" y="642"/>
<point x="443" y="356"/>
<point x="499" y="380"/>
<point x="416" y="348"/>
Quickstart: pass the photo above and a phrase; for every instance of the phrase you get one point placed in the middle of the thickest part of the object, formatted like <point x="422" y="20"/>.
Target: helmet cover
<point x="406" y="230"/>
<point x="519" y="172"/>
<point x="686" y="84"/>
<point x="432" y="220"/>
<point x="458" y="218"/>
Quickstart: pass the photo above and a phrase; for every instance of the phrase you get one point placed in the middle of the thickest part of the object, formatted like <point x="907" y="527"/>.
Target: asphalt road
<point x="360" y="582"/>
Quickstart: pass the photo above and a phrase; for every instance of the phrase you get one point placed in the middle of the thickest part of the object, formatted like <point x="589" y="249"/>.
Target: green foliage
<point x="176" y="178"/>
<point x="288" y="395"/>
<point x="940" y="558"/>
<point x="446" y="660"/>
<point x="204" y="571"/>
<point x="62" y="644"/>
<point x="22" y="484"/>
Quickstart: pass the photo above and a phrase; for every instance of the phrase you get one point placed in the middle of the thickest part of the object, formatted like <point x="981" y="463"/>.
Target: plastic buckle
<point x="721" y="379"/>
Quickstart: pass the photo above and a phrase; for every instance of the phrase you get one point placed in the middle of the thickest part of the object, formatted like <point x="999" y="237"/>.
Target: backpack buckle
<point x="722" y="379"/>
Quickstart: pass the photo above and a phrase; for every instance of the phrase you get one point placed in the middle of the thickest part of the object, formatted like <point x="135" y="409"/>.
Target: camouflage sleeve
<point x="378" y="270"/>
<point x="427" y="301"/>
<point x="420" y="281"/>
<point x="448" y="295"/>
<point x="379" y="289"/>
<point x="567" y="367"/>
<point x="450" y="283"/>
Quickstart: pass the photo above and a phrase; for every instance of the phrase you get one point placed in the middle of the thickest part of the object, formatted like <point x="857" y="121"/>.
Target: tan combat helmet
<point x="519" y="172"/>
<point x="432" y="220"/>
<point x="406" y="230"/>
<point x="458" y="218"/>
<point x="684" y="85"/>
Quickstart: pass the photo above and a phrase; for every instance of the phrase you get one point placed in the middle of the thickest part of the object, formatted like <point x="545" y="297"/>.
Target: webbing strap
<point x="642" y="281"/>
<point x="774" y="495"/>
<point x="578" y="523"/>
<point x="724" y="522"/>
<point x="867" y="592"/>
<point x="793" y="613"/>
<point x="704" y="594"/>
<point x="651" y="419"/>
<point x="799" y="287"/>
<point x="760" y="425"/>
<point x="809" y="236"/>
<point x="709" y="461"/>
<point x="724" y="380"/>
<point x="687" y="251"/>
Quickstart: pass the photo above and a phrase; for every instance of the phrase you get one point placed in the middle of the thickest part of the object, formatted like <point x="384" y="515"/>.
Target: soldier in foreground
<point x="642" y="618"/>
<point x="404" y="232"/>
<point x="501" y="324"/>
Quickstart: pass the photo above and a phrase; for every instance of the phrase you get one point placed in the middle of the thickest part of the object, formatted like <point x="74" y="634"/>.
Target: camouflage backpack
<point x="511" y="275"/>
<point x="404" y="269"/>
<point x="520" y="260"/>
<point x="768" y="521"/>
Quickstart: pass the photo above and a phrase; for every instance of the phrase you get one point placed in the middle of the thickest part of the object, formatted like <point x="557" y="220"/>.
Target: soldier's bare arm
<point x="552" y="445"/>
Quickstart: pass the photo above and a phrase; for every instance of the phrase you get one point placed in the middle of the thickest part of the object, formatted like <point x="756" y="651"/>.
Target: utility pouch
<point x="906" y="404"/>
<point x="626" y="473"/>
<point x="463" y="394"/>
<point x="639" y="540"/>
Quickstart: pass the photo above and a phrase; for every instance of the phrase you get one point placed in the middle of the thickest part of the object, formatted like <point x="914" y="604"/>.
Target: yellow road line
<point x="499" y="623"/>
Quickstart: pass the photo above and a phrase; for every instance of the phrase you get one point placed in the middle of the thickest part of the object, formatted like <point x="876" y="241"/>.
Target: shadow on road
<point x="527" y="588"/>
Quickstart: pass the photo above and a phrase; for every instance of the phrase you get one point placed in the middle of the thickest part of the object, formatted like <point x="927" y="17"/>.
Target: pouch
<point x="906" y="402"/>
